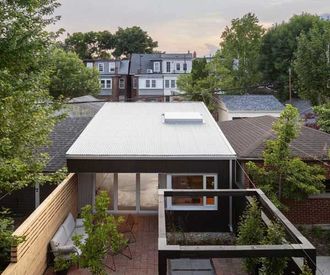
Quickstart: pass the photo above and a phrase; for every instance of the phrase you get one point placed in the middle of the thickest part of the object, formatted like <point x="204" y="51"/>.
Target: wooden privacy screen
<point x="30" y="257"/>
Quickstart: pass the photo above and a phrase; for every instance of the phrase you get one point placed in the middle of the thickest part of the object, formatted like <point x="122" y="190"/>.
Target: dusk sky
<point x="178" y="25"/>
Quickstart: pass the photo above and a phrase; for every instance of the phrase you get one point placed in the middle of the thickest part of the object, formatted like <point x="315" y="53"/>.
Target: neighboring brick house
<point x="232" y="107"/>
<point x="154" y="76"/>
<point x="248" y="137"/>
<point x="114" y="78"/>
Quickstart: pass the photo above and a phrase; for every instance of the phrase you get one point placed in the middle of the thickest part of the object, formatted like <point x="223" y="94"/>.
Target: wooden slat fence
<point x="30" y="257"/>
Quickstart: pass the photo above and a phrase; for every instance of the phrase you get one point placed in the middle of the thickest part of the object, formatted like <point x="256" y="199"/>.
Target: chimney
<point x="194" y="54"/>
<point x="115" y="88"/>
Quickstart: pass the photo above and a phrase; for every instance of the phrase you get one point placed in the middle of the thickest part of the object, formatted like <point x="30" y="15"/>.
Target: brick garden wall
<point x="314" y="210"/>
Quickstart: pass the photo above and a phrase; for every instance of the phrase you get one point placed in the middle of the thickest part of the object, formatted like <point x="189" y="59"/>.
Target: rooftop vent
<point x="183" y="117"/>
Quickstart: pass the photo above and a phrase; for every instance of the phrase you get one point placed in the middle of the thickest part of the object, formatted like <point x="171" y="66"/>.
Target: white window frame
<point x="157" y="67"/>
<point x="121" y="83"/>
<point x="148" y="83"/>
<point x="105" y="83"/>
<point x="205" y="207"/>
<point x="178" y="66"/>
<point x="153" y="83"/>
<point x="89" y="65"/>
<point x="168" y="68"/>
<point x="112" y="67"/>
<point x="167" y="81"/>
<point x="99" y="66"/>
<point x="173" y="81"/>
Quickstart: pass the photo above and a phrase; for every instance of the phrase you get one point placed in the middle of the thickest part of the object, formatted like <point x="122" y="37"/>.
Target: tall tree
<point x="312" y="63"/>
<point x="90" y="44"/>
<point x="70" y="77"/>
<point x="200" y="85"/>
<point x="133" y="40"/>
<point x="284" y="176"/>
<point x="239" y="49"/>
<point x="278" y="47"/>
<point x="323" y="117"/>
<point x="26" y="117"/>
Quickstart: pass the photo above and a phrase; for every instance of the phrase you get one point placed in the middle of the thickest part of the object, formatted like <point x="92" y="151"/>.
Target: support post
<point x="37" y="194"/>
<point x="231" y="198"/>
<point x="162" y="264"/>
<point x="311" y="260"/>
<point x="137" y="193"/>
<point x="115" y="192"/>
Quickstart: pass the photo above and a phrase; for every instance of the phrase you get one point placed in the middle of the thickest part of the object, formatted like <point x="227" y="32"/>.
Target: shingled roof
<point x="248" y="136"/>
<point x="251" y="103"/>
<point x="62" y="137"/>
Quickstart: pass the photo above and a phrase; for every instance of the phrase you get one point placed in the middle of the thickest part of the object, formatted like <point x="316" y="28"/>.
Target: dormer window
<point x="112" y="67"/>
<point x="178" y="66"/>
<point x="157" y="67"/>
<point x="100" y="66"/>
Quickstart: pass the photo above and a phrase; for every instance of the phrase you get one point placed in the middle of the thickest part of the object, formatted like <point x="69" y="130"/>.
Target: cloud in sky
<point x="178" y="25"/>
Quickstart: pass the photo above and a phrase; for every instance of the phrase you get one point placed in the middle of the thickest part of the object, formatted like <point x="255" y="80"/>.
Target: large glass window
<point x="153" y="83"/>
<point x="127" y="191"/>
<point x="147" y="83"/>
<point x="168" y="67"/>
<point x="199" y="182"/>
<point x="105" y="182"/>
<point x="149" y="191"/>
<point x="167" y="83"/>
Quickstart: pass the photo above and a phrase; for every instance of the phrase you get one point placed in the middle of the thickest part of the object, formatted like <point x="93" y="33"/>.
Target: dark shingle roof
<point x="62" y="137"/>
<point x="251" y="103"/>
<point x="247" y="136"/>
<point x="304" y="106"/>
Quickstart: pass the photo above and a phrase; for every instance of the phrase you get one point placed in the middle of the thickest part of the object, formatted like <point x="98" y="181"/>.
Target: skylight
<point x="183" y="117"/>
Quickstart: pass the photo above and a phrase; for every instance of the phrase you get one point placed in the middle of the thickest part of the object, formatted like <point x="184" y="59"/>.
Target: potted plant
<point x="103" y="235"/>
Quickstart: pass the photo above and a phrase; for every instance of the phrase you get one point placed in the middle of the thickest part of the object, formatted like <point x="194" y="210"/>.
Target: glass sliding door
<point x="148" y="192"/>
<point x="127" y="191"/>
<point x="105" y="182"/>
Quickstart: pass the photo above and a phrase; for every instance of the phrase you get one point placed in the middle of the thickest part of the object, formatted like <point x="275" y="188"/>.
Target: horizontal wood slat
<point x="30" y="257"/>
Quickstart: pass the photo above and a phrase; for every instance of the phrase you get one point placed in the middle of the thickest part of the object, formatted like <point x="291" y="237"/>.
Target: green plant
<point x="306" y="270"/>
<point x="62" y="263"/>
<point x="251" y="232"/>
<point x="102" y="231"/>
<point x="7" y="239"/>
<point x="274" y="265"/>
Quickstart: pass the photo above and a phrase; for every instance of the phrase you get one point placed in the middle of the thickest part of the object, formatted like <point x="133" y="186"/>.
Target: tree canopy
<point x="27" y="116"/>
<point x="104" y="44"/>
<point x="70" y="77"/>
<point x="239" y="49"/>
<point x="284" y="176"/>
<point x="312" y="63"/>
<point x="278" y="48"/>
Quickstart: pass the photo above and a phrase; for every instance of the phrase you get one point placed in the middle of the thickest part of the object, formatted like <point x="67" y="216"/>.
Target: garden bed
<point x="200" y="238"/>
<point x="319" y="237"/>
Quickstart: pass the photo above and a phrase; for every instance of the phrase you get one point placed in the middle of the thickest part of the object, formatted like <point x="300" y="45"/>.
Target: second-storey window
<point x="178" y="66"/>
<point x="168" y="67"/>
<point x="121" y="83"/>
<point x="153" y="83"/>
<point x="185" y="67"/>
<point x="135" y="81"/>
<point x="112" y="67"/>
<point x="156" y="67"/>
<point x="173" y="83"/>
<point x="147" y="83"/>
<point x="100" y="66"/>
<point x="167" y="83"/>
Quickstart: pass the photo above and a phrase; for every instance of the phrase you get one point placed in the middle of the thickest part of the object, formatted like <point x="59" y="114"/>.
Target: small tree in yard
<point x="102" y="232"/>
<point x="284" y="176"/>
<point x="274" y="265"/>
<point x="251" y="232"/>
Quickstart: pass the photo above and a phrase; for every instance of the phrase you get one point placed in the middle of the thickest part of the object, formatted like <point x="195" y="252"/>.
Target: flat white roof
<point x="138" y="131"/>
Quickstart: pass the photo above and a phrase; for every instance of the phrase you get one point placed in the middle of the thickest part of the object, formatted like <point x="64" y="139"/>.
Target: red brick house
<point x="248" y="136"/>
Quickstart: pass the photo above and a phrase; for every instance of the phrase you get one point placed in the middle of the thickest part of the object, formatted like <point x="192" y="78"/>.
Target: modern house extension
<point x="133" y="149"/>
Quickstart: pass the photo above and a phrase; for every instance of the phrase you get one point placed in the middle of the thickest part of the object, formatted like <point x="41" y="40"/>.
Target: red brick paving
<point x="145" y="255"/>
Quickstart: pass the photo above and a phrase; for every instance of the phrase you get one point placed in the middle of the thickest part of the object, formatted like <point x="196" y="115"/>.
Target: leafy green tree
<point x="312" y="63"/>
<point x="278" y="48"/>
<point x="70" y="77"/>
<point x="90" y="44"/>
<point x="102" y="231"/>
<point x="6" y="238"/>
<point x="200" y="85"/>
<point x="133" y="40"/>
<point x="323" y="117"/>
<point x="251" y="230"/>
<point x="274" y="265"/>
<point x="239" y="49"/>
<point x="26" y="117"/>
<point x="284" y="176"/>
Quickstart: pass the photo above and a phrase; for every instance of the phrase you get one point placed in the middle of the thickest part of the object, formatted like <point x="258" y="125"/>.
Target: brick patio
<point x="145" y="255"/>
